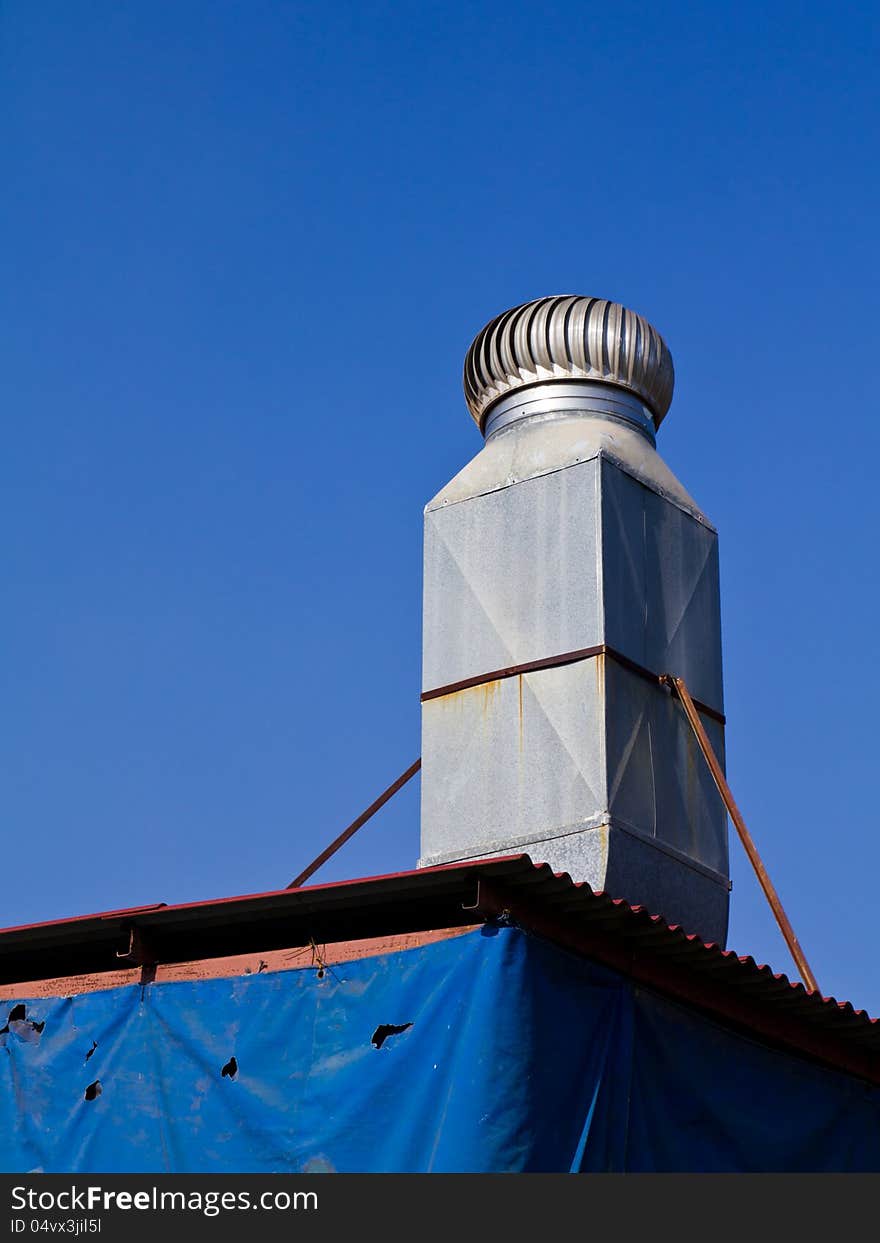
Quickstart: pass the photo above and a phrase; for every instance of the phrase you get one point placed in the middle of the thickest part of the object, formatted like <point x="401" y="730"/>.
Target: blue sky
<point x="246" y="246"/>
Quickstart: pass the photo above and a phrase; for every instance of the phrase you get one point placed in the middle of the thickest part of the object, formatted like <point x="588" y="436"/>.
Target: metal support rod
<point x="355" y="825"/>
<point x="679" y="687"/>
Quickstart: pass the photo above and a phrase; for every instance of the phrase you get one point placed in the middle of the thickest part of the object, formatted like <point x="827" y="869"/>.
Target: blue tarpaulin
<point x="493" y="1051"/>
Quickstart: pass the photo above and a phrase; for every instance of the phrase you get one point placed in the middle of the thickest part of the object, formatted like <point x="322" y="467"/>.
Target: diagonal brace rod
<point x="355" y="825"/>
<point x="680" y="689"/>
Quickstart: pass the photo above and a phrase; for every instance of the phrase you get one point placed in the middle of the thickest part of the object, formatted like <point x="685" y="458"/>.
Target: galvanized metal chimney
<point x="565" y="568"/>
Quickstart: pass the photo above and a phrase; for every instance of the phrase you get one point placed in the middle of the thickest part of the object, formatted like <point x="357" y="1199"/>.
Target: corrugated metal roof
<point x="637" y="928"/>
<point x="629" y="938"/>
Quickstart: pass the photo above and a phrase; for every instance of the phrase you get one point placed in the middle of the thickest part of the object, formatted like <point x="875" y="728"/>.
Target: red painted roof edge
<point x="123" y="912"/>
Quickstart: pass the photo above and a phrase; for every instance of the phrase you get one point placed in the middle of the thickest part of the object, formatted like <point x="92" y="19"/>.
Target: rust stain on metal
<point x="520" y="689"/>
<point x="487" y="692"/>
<point x="510" y="671"/>
<point x="448" y="700"/>
<point x="554" y="662"/>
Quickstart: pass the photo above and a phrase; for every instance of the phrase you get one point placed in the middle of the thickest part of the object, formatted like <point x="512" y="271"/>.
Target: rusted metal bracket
<point x="490" y="902"/>
<point x="678" y="687"/>
<point x="355" y="825"/>
<point x="139" y="953"/>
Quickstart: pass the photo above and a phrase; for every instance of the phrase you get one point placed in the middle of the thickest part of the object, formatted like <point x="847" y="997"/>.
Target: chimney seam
<point x="590" y="825"/>
<point x="609" y="455"/>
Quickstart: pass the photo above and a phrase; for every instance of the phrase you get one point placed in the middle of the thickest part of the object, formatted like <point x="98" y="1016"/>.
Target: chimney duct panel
<point x="567" y="534"/>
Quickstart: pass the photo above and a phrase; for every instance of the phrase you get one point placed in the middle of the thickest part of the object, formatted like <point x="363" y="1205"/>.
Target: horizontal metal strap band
<point x="565" y="658"/>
